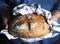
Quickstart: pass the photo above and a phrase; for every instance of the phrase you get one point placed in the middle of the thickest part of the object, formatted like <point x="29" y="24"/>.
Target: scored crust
<point x="29" y="26"/>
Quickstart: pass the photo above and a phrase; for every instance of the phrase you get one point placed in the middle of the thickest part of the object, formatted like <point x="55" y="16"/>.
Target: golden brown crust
<point x="29" y="26"/>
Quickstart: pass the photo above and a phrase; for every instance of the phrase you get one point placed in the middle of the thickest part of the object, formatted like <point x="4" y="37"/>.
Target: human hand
<point x="5" y="23"/>
<point x="55" y="16"/>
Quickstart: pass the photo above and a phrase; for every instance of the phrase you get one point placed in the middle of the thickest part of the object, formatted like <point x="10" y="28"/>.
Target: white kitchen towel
<point x="33" y="8"/>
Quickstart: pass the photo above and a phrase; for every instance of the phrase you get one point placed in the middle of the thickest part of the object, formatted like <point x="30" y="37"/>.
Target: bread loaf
<point x="29" y="26"/>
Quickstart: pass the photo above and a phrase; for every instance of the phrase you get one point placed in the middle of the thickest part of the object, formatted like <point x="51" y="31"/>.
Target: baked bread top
<point x="29" y="26"/>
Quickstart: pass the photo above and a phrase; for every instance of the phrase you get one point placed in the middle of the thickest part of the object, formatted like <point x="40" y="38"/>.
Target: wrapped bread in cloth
<point x="26" y="24"/>
<point x="29" y="26"/>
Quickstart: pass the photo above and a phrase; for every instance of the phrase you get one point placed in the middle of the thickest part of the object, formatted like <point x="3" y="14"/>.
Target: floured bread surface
<point x="29" y="26"/>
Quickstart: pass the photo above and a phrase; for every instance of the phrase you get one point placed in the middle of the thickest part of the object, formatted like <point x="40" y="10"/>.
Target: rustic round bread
<point x="29" y="26"/>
